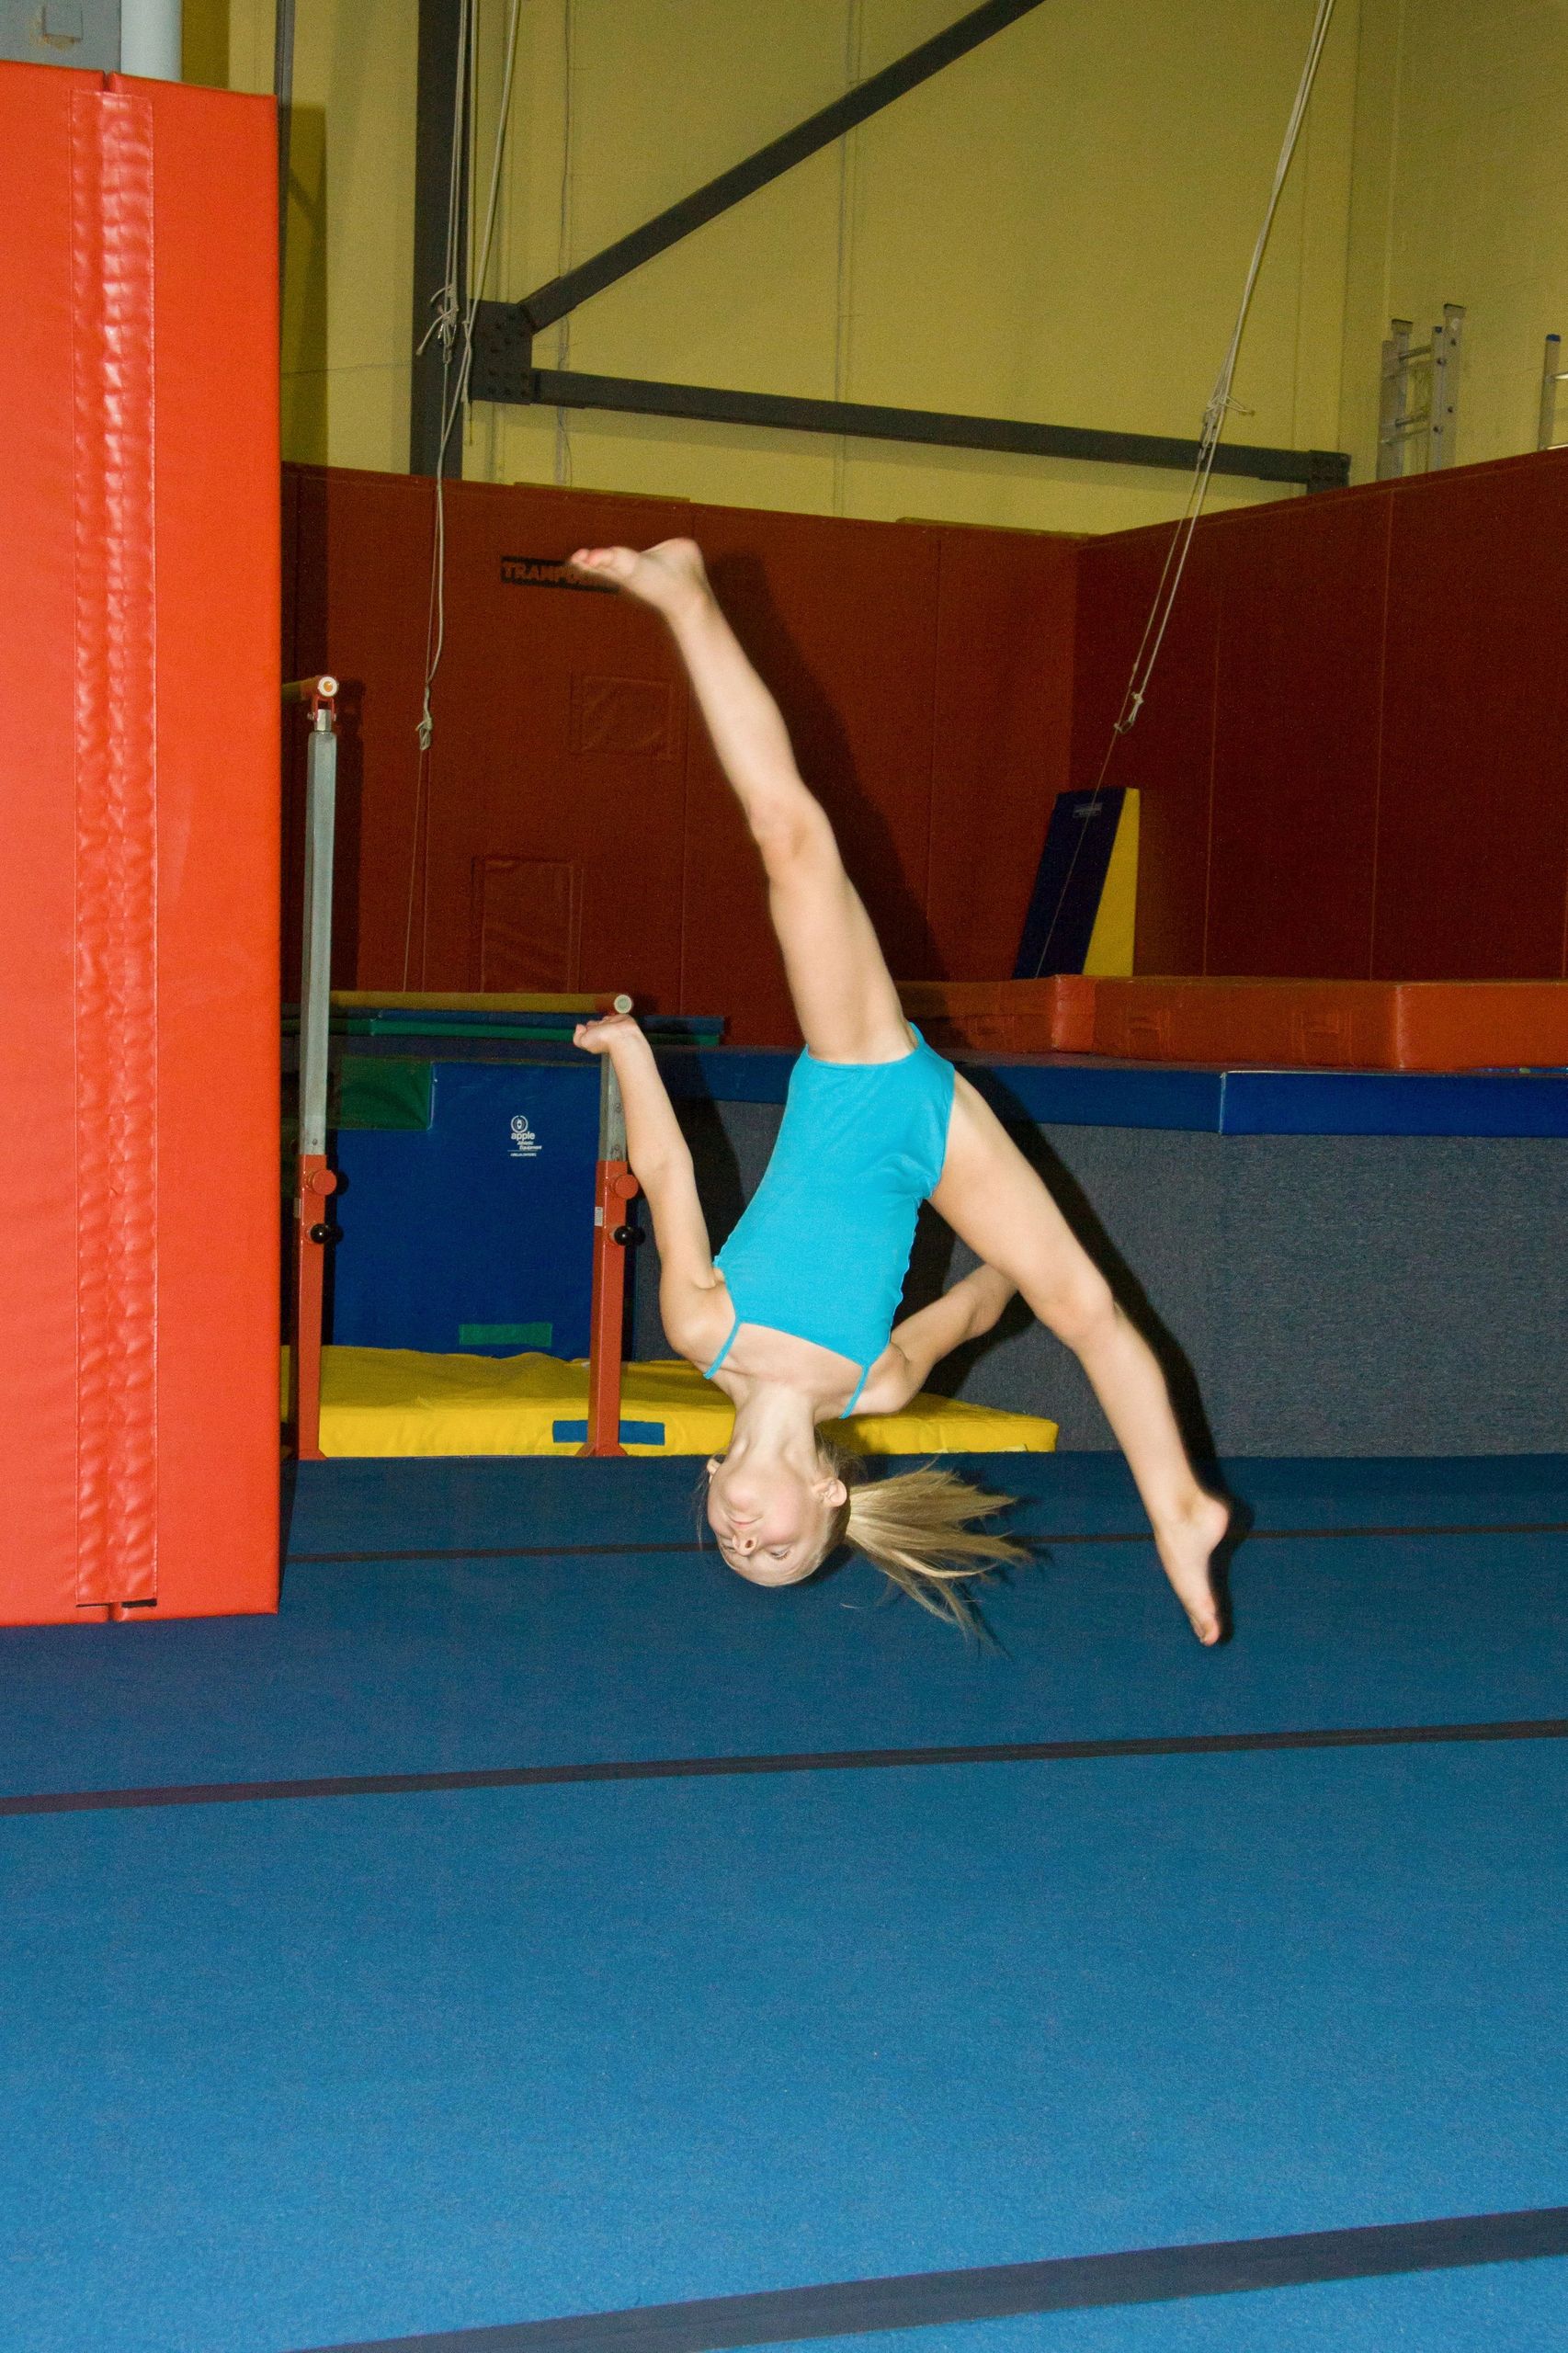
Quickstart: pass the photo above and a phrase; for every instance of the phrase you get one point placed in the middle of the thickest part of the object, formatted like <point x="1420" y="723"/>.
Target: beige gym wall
<point x="1458" y="197"/>
<point x="1056" y="227"/>
<point x="348" y="296"/>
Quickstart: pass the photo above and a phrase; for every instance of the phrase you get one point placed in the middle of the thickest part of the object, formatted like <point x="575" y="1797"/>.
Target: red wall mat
<point x="560" y="737"/>
<point x="1168" y="754"/>
<point x="139" y="679"/>
<point x="1297" y="738"/>
<point x="931" y="720"/>
<point x="1452" y="758"/>
<point x="925" y="672"/>
<point x="1472" y="843"/>
<point x="38" y="1234"/>
<point x="564" y="733"/>
<point x="217" y="620"/>
<point x="1002" y="736"/>
<point x="362" y="558"/>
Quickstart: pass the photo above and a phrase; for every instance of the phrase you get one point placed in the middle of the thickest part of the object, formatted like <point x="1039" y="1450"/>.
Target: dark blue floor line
<point x="1067" y="2283"/>
<point x="687" y="1769"/>
<point x="1048" y="1538"/>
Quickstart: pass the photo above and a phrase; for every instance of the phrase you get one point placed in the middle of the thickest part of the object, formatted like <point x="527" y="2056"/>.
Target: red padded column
<point x="138" y="813"/>
<point x="115" y="1014"/>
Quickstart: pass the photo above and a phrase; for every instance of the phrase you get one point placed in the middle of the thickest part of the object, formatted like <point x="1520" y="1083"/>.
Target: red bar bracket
<point x="614" y="1187"/>
<point x="317" y="1183"/>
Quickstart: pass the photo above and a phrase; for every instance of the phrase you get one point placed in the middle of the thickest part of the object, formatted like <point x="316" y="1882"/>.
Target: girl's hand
<point x="600" y="1037"/>
<point x="669" y="577"/>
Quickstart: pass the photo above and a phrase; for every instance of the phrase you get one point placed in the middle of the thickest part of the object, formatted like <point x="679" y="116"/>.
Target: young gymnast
<point x="795" y="1319"/>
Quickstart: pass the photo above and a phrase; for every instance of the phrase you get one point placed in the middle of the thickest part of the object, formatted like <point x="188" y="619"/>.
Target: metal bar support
<point x="316" y="1182"/>
<point x="547" y="303"/>
<point x="503" y="366"/>
<point x="503" y="371"/>
<point x="615" y="1187"/>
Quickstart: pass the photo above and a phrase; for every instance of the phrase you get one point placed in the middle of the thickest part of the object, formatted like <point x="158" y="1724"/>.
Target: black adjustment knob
<point x="326" y="1233"/>
<point x="626" y="1233"/>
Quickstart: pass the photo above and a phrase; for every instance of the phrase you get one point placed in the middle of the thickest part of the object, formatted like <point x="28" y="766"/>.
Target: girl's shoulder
<point x="889" y="1384"/>
<point x="699" y="1324"/>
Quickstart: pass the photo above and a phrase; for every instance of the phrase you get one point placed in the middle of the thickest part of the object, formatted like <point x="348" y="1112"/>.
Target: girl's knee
<point x="795" y="841"/>
<point x="1078" y="1311"/>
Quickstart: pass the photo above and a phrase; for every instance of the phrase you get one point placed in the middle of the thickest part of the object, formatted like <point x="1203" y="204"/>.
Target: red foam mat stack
<point x="139" y="715"/>
<point x="1281" y="1025"/>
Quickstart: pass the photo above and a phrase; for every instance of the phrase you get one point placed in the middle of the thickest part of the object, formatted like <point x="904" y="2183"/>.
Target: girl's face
<point x="771" y="1524"/>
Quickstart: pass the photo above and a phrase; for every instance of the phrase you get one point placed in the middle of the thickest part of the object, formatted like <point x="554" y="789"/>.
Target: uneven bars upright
<point x="615" y="1187"/>
<point x="314" y="1181"/>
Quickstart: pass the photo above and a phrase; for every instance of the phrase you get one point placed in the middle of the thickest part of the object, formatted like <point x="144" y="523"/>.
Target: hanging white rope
<point x="444" y="326"/>
<point x="1219" y="404"/>
<point x="454" y="326"/>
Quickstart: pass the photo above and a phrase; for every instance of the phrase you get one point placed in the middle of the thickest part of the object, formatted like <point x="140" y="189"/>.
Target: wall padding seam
<point x="116" y="968"/>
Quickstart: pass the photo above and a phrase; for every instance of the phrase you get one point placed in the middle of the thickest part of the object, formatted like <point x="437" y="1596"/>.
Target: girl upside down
<point x="794" y="1320"/>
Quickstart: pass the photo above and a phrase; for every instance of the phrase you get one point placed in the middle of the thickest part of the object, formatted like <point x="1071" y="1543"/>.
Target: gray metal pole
<point x="315" y="979"/>
<point x="150" y="37"/>
<point x="283" y="92"/>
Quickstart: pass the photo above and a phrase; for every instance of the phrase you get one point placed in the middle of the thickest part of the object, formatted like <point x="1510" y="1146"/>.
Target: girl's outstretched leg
<point x="996" y="1202"/>
<point x="845" y="1000"/>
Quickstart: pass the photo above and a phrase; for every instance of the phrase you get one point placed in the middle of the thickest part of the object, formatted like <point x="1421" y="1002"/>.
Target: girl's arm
<point x="971" y="1307"/>
<point x="692" y="1303"/>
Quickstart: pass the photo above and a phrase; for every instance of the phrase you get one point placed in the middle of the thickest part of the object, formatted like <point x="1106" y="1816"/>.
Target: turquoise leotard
<point x="822" y="1247"/>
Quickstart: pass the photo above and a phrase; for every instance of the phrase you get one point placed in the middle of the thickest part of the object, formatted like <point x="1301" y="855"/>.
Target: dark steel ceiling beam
<point x="435" y="117"/>
<point x="503" y="371"/>
<point x="504" y="332"/>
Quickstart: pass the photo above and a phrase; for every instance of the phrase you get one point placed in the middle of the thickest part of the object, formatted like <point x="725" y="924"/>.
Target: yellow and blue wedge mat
<point x="401" y="1402"/>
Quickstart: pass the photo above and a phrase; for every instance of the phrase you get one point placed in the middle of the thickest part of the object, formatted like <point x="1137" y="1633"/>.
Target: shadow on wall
<point x="823" y="757"/>
<point x="932" y="1272"/>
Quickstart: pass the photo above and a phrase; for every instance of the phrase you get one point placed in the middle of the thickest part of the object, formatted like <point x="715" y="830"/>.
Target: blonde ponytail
<point x="916" y="1526"/>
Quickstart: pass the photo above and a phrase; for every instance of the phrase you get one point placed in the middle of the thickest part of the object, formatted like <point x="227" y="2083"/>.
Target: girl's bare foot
<point x="670" y="577"/>
<point x="1187" y="1548"/>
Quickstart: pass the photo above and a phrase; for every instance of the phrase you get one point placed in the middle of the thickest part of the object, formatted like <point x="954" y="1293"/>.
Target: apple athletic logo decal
<point x="525" y="1143"/>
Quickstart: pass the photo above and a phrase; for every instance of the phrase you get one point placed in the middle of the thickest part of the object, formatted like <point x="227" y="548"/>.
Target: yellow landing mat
<point x="399" y="1402"/>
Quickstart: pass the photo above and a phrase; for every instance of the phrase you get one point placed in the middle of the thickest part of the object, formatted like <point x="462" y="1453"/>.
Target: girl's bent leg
<point x="996" y="1202"/>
